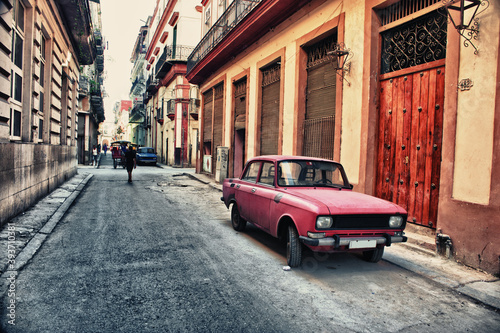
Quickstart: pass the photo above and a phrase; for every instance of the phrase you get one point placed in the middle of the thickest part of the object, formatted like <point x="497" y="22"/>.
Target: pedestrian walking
<point x="130" y="160"/>
<point x="94" y="155"/>
<point x="105" y="147"/>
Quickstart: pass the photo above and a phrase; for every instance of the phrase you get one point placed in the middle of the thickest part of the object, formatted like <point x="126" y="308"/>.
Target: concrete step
<point x="420" y="239"/>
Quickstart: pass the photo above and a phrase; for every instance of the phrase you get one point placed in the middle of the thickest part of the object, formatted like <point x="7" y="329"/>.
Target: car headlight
<point x="324" y="222"/>
<point x="395" y="221"/>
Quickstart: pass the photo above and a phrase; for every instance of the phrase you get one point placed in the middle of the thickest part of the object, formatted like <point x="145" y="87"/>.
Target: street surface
<point x="160" y="255"/>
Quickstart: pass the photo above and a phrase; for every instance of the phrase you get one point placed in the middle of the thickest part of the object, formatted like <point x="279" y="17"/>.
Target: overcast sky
<point x="121" y="20"/>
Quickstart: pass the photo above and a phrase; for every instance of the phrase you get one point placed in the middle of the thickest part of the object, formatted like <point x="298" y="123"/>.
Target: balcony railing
<point x="84" y="84"/>
<point x="170" y="109"/>
<point x="151" y="83"/>
<point x="233" y="15"/>
<point x="138" y="86"/>
<point x="171" y="53"/>
<point x="194" y="105"/>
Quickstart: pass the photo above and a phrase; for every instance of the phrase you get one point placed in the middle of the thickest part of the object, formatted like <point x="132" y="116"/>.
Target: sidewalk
<point x="35" y="225"/>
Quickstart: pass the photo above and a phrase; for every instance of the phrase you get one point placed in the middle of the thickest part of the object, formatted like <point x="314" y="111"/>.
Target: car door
<point x="263" y="193"/>
<point x="244" y="194"/>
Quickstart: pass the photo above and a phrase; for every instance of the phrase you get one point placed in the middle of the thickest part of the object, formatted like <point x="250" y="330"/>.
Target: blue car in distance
<point x="146" y="155"/>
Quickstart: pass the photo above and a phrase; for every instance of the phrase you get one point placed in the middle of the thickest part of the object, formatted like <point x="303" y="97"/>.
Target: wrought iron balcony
<point x="171" y="109"/>
<point x="138" y="86"/>
<point x="233" y="15"/>
<point x="151" y="83"/>
<point x="84" y="85"/>
<point x="171" y="53"/>
<point x="194" y="105"/>
<point x="76" y="15"/>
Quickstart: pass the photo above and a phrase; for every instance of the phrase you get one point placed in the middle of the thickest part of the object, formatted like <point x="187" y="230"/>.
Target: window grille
<point x="403" y="8"/>
<point x="419" y="41"/>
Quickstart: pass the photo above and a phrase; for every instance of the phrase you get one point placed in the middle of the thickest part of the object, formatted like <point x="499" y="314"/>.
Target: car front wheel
<point x="374" y="255"/>
<point x="238" y="223"/>
<point x="293" y="247"/>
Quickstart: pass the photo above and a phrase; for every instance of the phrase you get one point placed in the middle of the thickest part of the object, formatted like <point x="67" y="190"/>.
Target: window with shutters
<point x="269" y="131"/>
<point x="319" y="124"/>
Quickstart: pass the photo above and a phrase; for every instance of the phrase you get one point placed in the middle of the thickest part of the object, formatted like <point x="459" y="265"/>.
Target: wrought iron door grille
<point x="420" y="41"/>
<point x="319" y="137"/>
<point x="402" y="8"/>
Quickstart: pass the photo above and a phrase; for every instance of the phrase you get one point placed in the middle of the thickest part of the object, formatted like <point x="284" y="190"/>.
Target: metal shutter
<point x="207" y="116"/>
<point x="269" y="134"/>
<point x="240" y="93"/>
<point x="319" y="124"/>
<point x="218" y="119"/>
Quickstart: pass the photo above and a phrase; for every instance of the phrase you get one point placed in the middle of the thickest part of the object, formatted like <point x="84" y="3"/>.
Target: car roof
<point x="287" y="157"/>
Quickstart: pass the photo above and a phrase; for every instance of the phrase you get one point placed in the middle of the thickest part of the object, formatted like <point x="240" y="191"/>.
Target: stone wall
<point x="29" y="172"/>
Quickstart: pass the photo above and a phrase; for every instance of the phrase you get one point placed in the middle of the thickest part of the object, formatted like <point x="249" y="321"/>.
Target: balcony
<point x="194" y="105"/>
<point x="138" y="86"/>
<point x="151" y="84"/>
<point x="171" y="53"/>
<point x="171" y="109"/>
<point x="233" y="15"/>
<point x="243" y="23"/>
<point x="84" y="86"/>
<point x="99" y="62"/>
<point x="76" y="17"/>
<point x="136" y="114"/>
<point x="159" y="115"/>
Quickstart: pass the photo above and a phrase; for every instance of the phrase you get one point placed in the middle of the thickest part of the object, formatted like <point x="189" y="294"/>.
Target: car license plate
<point x="363" y="244"/>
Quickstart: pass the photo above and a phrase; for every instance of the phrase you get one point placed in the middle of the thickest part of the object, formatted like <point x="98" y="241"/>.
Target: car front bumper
<point x="338" y="241"/>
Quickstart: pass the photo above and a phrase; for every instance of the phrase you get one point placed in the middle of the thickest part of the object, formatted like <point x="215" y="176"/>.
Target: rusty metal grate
<point x="319" y="135"/>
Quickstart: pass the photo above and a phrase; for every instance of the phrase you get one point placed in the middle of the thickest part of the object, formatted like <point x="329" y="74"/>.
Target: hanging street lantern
<point x="340" y="55"/>
<point x="463" y="15"/>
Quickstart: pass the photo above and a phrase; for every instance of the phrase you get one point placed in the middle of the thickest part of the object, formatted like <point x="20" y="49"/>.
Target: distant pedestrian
<point x="94" y="155"/>
<point x="130" y="160"/>
<point x="105" y="147"/>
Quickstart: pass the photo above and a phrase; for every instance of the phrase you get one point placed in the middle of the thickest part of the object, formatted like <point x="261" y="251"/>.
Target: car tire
<point x="293" y="247"/>
<point x="238" y="223"/>
<point x="374" y="255"/>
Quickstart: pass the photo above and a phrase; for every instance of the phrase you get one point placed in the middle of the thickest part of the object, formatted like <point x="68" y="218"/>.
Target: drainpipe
<point x="443" y="244"/>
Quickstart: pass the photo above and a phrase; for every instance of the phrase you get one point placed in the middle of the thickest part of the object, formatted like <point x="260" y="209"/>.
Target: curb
<point x="36" y="241"/>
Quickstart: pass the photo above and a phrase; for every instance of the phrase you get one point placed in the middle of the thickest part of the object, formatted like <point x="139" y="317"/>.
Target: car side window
<point x="267" y="174"/>
<point x="251" y="172"/>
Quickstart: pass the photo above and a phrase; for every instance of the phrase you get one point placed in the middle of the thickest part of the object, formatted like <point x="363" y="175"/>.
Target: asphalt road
<point x="160" y="255"/>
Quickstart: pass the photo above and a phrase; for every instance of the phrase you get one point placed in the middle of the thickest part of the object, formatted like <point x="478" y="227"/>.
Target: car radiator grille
<point x="361" y="222"/>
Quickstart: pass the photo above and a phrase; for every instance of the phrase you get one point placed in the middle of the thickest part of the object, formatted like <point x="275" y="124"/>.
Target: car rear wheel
<point x="293" y="247"/>
<point x="374" y="255"/>
<point x="238" y="223"/>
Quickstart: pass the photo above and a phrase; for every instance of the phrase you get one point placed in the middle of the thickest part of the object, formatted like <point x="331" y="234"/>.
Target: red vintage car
<point x="309" y="201"/>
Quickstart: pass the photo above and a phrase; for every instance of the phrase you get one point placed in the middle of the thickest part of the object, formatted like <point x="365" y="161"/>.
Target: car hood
<point x="146" y="155"/>
<point x="348" y="202"/>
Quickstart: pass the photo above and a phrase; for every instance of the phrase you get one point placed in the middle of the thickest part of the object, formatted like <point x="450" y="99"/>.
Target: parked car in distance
<point x="146" y="155"/>
<point x="309" y="201"/>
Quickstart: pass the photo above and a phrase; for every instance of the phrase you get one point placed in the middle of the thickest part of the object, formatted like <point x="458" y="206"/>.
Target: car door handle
<point x="253" y="190"/>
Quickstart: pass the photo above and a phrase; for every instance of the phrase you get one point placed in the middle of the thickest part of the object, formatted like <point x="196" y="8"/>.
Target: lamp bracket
<point x="468" y="30"/>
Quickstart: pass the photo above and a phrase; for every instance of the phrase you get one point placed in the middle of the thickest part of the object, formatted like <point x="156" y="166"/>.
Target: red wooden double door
<point x="410" y="137"/>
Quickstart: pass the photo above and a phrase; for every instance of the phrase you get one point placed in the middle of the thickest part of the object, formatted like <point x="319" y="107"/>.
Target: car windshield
<point x="146" y="151"/>
<point x="311" y="173"/>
